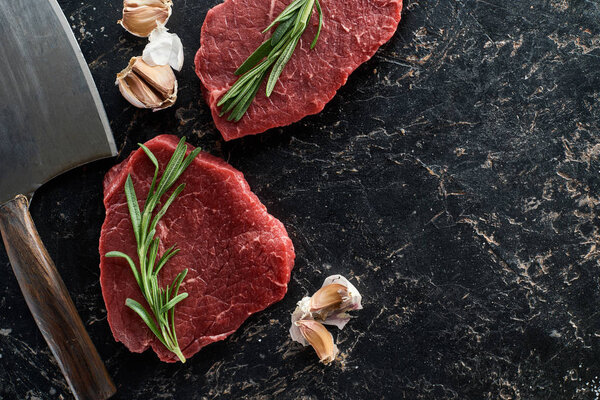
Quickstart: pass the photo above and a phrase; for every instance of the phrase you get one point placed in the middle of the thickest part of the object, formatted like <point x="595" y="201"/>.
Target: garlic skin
<point x="319" y="338"/>
<point x="145" y="86"/>
<point x="141" y="17"/>
<point x="301" y="312"/>
<point x="164" y="48"/>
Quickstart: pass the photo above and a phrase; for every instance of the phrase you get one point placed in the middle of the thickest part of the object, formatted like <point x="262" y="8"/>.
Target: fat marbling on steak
<point x="239" y="257"/>
<point x="352" y="31"/>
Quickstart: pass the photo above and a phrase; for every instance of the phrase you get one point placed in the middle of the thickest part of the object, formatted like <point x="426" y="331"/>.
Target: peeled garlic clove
<point x="351" y="297"/>
<point x="164" y="48"/>
<point x="319" y="338"/>
<point x="145" y="86"/>
<point x="329" y="297"/>
<point x="140" y="17"/>
<point x="331" y="303"/>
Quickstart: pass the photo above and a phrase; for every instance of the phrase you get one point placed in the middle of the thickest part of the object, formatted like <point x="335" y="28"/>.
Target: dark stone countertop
<point x="454" y="179"/>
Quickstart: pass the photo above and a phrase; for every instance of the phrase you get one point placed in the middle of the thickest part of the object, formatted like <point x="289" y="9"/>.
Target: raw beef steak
<point x="352" y="31"/>
<point x="239" y="257"/>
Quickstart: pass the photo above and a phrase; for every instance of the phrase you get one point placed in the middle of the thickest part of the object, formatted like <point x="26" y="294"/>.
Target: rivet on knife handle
<point x="50" y="304"/>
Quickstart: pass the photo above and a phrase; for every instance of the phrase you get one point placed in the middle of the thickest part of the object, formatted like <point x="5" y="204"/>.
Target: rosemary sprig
<point x="272" y="55"/>
<point x="162" y="301"/>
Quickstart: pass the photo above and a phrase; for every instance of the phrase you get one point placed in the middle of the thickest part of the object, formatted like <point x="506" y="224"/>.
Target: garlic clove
<point x="319" y="338"/>
<point x="145" y="86"/>
<point x="164" y="48"/>
<point x="352" y="298"/>
<point x="330" y="306"/>
<point x="139" y="90"/>
<point x="331" y="303"/>
<point x="328" y="298"/>
<point x="160" y="77"/>
<point x="140" y="17"/>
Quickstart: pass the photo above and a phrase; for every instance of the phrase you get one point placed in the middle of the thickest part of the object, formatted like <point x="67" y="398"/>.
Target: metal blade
<point x="51" y="115"/>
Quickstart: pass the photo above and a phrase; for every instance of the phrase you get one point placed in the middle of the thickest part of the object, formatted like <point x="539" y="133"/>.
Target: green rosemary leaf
<point x="279" y="65"/>
<point x="248" y="100"/>
<point x="238" y="86"/>
<point x="281" y="46"/>
<point x="149" y="239"/>
<point x="168" y="176"/>
<point x="134" y="208"/>
<point x="187" y="161"/>
<point x="170" y="252"/>
<point x="136" y="274"/>
<point x="285" y="14"/>
<point x="152" y="253"/>
<point x="177" y="282"/>
<point x="281" y="29"/>
<point x="166" y="294"/>
<point x="249" y="84"/>
<point x="145" y="316"/>
<point x="320" y="12"/>
<point x="156" y="168"/>
<point x="244" y="101"/>
<point x="173" y="302"/>
<point x="173" y="330"/>
<point x="304" y="16"/>
<point x="150" y="155"/>
<point x="165" y="207"/>
<point x="273" y="54"/>
<point x="154" y="292"/>
<point x="145" y="222"/>
<point x="261" y="52"/>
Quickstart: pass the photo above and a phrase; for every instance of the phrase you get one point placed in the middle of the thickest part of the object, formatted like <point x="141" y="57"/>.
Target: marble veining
<point x="454" y="180"/>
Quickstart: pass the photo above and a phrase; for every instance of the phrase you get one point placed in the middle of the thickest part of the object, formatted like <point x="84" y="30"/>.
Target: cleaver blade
<point x="51" y="115"/>
<point x="51" y="120"/>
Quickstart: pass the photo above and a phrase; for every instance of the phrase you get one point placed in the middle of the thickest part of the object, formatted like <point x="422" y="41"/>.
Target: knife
<point x="51" y="120"/>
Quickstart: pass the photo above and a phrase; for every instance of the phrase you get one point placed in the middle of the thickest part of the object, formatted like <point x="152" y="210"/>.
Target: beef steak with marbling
<point x="352" y="31"/>
<point x="239" y="257"/>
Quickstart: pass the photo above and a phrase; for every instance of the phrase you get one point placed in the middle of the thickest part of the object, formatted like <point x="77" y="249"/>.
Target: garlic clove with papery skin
<point x="319" y="338"/>
<point x="164" y="48"/>
<point x="328" y="298"/>
<point x="141" y="17"/>
<point x="331" y="303"/>
<point x="145" y="86"/>
<point x="352" y="298"/>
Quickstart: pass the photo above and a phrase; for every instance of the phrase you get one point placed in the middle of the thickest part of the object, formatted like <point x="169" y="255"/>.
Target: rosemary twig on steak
<point x="271" y="56"/>
<point x="162" y="301"/>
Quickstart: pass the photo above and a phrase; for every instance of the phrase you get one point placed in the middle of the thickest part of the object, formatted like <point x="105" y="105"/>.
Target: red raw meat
<point x="239" y="257"/>
<point x="352" y="31"/>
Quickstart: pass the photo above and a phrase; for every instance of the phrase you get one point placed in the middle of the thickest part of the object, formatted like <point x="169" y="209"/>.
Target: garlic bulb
<point x="163" y="48"/>
<point x="145" y="86"/>
<point x="319" y="338"/>
<point x="140" y="17"/>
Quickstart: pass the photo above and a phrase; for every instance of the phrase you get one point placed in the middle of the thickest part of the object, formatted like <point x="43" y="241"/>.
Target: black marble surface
<point x="454" y="179"/>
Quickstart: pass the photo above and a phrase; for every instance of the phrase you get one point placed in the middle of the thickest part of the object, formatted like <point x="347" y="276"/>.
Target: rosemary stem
<point x="273" y="54"/>
<point x="161" y="301"/>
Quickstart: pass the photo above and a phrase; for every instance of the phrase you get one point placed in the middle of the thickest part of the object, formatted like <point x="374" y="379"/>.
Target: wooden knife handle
<point x="51" y="305"/>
